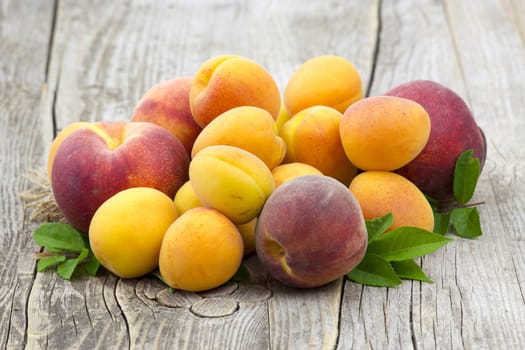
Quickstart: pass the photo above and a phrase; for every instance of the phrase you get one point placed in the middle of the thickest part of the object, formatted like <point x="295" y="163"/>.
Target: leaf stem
<point x="443" y="210"/>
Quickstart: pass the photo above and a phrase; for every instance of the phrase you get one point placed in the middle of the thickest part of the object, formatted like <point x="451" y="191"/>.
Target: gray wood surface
<point x="65" y="61"/>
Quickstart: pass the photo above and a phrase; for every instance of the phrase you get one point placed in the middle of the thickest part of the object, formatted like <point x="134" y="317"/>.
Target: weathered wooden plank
<point x="477" y="298"/>
<point x="488" y="43"/>
<point x="209" y="322"/>
<point x="516" y="10"/>
<point x="304" y="319"/>
<point x="22" y="76"/>
<point x="106" y="54"/>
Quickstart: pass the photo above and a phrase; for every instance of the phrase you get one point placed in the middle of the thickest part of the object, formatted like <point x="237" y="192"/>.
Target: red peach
<point x="310" y="232"/>
<point x="93" y="163"/>
<point x="168" y="104"/>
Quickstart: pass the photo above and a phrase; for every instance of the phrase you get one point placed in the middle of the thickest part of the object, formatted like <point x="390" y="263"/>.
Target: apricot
<point x="201" y="250"/>
<point x="312" y="137"/>
<point x="310" y="232"/>
<point x="384" y="132"/>
<point x="289" y="171"/>
<point x="326" y="80"/>
<point x="250" y="128"/>
<point x="247" y="232"/>
<point x="282" y="117"/>
<point x="227" y="81"/>
<point x="454" y="129"/>
<point x="231" y="180"/>
<point x="186" y="199"/>
<point x="126" y="231"/>
<point x="383" y="192"/>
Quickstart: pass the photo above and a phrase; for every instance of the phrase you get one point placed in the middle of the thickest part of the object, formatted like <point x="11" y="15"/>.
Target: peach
<point x="310" y="232"/>
<point x="126" y="231"/>
<point x="289" y="171"/>
<point x="93" y="163"/>
<point x="201" y="250"/>
<point x="109" y="136"/>
<point x="227" y="81"/>
<point x="250" y="128"/>
<point x="231" y="180"/>
<point x="384" y="132"/>
<point x="454" y="129"/>
<point x="326" y="80"/>
<point x="186" y="199"/>
<point x="312" y="137"/>
<point x="383" y="192"/>
<point x="167" y="104"/>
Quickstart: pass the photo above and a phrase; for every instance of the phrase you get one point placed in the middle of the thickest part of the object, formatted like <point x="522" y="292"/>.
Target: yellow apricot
<point x="283" y="116"/>
<point x="126" y="231"/>
<point x="326" y="80"/>
<point x="383" y="192"/>
<point x="312" y="137"/>
<point x="227" y="81"/>
<point x="250" y="128"/>
<point x="231" y="180"/>
<point x="186" y="199"/>
<point x="201" y="250"/>
<point x="384" y="132"/>
<point x="289" y="171"/>
<point x="247" y="232"/>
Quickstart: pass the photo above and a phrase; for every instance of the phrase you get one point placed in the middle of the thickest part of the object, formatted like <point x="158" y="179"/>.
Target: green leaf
<point x="405" y="243"/>
<point x="68" y="267"/>
<point x="241" y="275"/>
<point x="466" y="173"/>
<point x="91" y="266"/>
<point x="408" y="269"/>
<point x="378" y="226"/>
<point x="57" y="235"/>
<point x="44" y="263"/>
<point x="374" y="271"/>
<point x="466" y="222"/>
<point x="441" y="222"/>
<point x="157" y="274"/>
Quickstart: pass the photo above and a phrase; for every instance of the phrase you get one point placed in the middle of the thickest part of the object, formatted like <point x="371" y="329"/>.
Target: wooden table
<point x="65" y="61"/>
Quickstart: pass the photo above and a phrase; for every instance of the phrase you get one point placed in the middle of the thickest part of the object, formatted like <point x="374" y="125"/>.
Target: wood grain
<point x="65" y="61"/>
<point x="493" y="299"/>
<point x="22" y="76"/>
<point x="477" y="58"/>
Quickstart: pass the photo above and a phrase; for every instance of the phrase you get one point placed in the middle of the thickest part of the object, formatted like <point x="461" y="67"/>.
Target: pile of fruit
<point x="319" y="183"/>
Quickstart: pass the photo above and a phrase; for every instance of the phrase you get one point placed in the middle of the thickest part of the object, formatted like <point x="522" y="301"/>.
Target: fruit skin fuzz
<point x="310" y="232"/>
